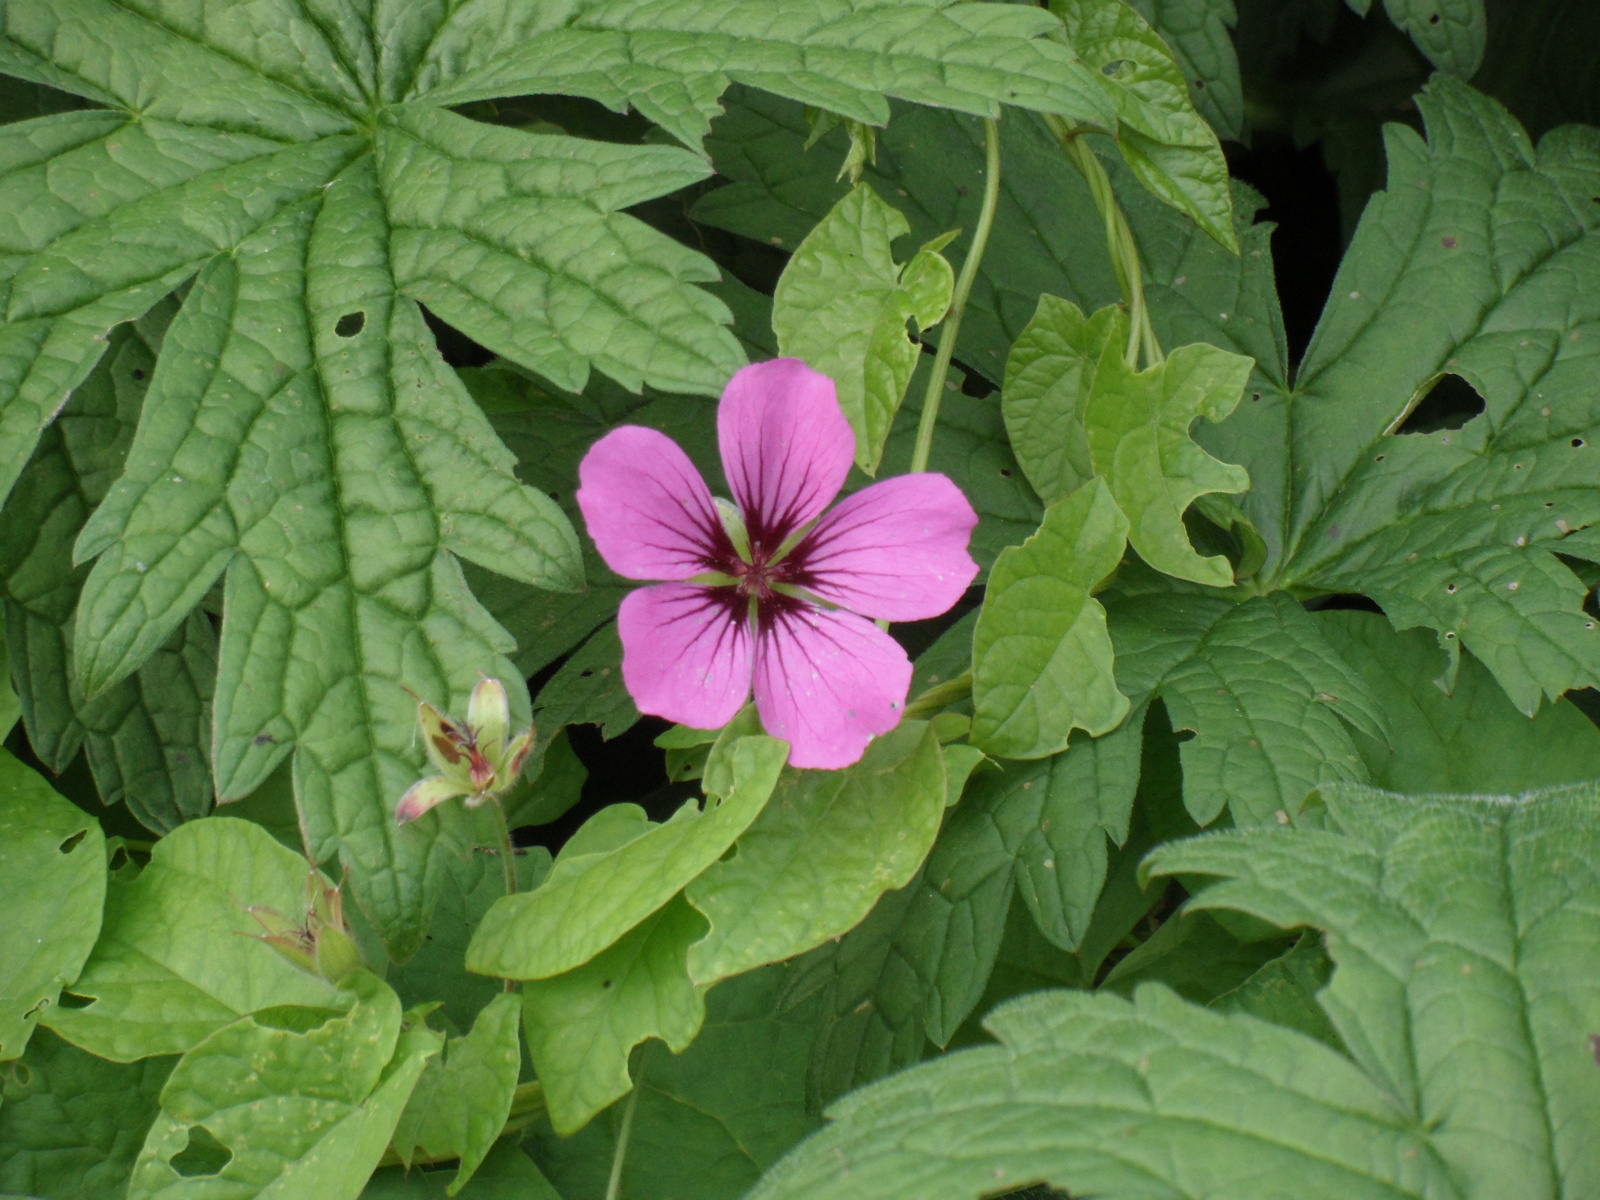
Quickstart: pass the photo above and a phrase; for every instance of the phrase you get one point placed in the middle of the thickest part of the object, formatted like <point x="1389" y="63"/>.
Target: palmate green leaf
<point x="672" y="59"/>
<point x="1464" y="935"/>
<point x="1473" y="739"/>
<point x="1452" y="33"/>
<point x="706" y="1124"/>
<point x="52" y="887"/>
<point x="463" y="1096"/>
<point x="71" y="1124"/>
<point x="1076" y="409"/>
<point x="819" y="855"/>
<point x="148" y="737"/>
<point x="624" y="868"/>
<point x="1197" y="31"/>
<point x="1265" y="694"/>
<point x="1041" y="657"/>
<point x="1168" y="145"/>
<point x="293" y="1103"/>
<point x="582" y="1025"/>
<point x="179" y="956"/>
<point x="842" y="304"/>
<point x="1457" y="530"/>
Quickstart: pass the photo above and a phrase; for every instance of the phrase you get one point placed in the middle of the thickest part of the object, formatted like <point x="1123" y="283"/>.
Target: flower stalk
<point x="958" y="298"/>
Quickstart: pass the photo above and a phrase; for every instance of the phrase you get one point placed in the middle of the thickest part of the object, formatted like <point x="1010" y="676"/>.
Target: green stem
<point x="508" y="858"/>
<point x="614" y="1186"/>
<point x="1124" y="252"/>
<point x="939" y="695"/>
<point x="958" y="299"/>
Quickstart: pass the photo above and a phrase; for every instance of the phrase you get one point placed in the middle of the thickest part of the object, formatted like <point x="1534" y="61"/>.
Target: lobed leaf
<point x="819" y="855"/>
<point x="582" y="1025"/>
<point x="1040" y="625"/>
<point x="594" y="896"/>
<point x="180" y="957"/>
<point x="842" y="304"/>
<point x="52" y="887"/>
<point x="507" y="1174"/>
<point x="1198" y="33"/>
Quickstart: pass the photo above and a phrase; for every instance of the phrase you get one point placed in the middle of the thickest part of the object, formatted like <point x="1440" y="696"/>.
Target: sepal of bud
<point x="489" y="716"/>
<point x="320" y="943"/>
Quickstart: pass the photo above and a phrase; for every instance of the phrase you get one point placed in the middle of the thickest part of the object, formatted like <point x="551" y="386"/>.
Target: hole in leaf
<point x="21" y="1074"/>
<point x="204" y="1155"/>
<point x="585" y="673"/>
<point x="73" y="1000"/>
<point x="1005" y="472"/>
<point x="293" y="1018"/>
<point x="119" y="859"/>
<point x="1433" y="20"/>
<point x="350" y="324"/>
<point x="607" y="983"/>
<point x="1199" y="85"/>
<point x="138" y="374"/>
<point x="1578" y="443"/>
<point x="1448" y="403"/>
<point x="1114" y="67"/>
<point x="71" y="844"/>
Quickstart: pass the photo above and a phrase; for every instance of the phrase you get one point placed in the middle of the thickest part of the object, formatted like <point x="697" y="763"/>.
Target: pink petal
<point x="648" y="511"/>
<point x="786" y="446"/>
<point x="897" y="549"/>
<point x="685" y="653"/>
<point x="828" y="683"/>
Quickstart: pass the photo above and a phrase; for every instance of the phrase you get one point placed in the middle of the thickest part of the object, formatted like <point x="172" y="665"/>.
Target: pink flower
<point x="767" y="594"/>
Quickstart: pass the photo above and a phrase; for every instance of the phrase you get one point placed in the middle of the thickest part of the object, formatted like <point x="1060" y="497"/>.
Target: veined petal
<point x="650" y="514"/>
<point x="424" y="794"/>
<point x="786" y="446"/>
<point x="897" y="549"/>
<point x="686" y="653"/>
<point x="828" y="683"/>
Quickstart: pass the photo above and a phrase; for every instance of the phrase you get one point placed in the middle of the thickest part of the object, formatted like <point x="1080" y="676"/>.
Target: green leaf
<point x="147" y="738"/>
<point x="1170" y="148"/>
<point x="437" y="972"/>
<point x="819" y="855"/>
<point x="1198" y="33"/>
<point x="1284" y="991"/>
<point x="672" y="60"/>
<point x="582" y="1025"/>
<point x="1468" y="1074"/>
<point x="1042" y="626"/>
<point x="557" y="787"/>
<point x="507" y="1174"/>
<point x="179" y="956"/>
<point x="710" y="1119"/>
<point x="1452" y="33"/>
<point x="463" y="1097"/>
<point x="590" y="899"/>
<point x="53" y="868"/>
<point x="1472" y="739"/>
<point x="1458" y="530"/>
<point x="842" y="304"/>
<point x="1196" y="956"/>
<point x="1264" y="693"/>
<point x="589" y="690"/>
<point x="10" y="706"/>
<point x="71" y="1124"/>
<point x="295" y="1103"/>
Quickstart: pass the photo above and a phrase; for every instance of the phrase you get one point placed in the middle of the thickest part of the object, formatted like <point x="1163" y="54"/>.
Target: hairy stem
<point x="508" y="857"/>
<point x="1120" y="245"/>
<point x="614" y="1186"/>
<point x="958" y="299"/>
<point x="939" y="695"/>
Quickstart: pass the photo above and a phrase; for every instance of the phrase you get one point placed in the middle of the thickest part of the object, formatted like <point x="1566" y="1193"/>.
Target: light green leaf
<point x="507" y="1174"/>
<point x="1198" y="33"/>
<point x="1264" y="693"/>
<point x="588" y="689"/>
<point x="463" y="1097"/>
<point x="589" y="900"/>
<point x="1452" y="33"/>
<point x="1165" y="141"/>
<point x="52" y="887"/>
<point x="71" y="1124"/>
<point x="582" y="1025"/>
<point x="709" y="1119"/>
<point x="672" y="60"/>
<point x="1041" y="628"/>
<point x="1472" y="739"/>
<point x="179" y="956"/>
<point x="842" y="304"/>
<point x="826" y="846"/>
<point x="296" y="1103"/>
<point x="1458" y="529"/>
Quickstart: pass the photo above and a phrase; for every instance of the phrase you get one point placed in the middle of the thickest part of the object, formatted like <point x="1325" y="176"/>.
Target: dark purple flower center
<point x="761" y="579"/>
